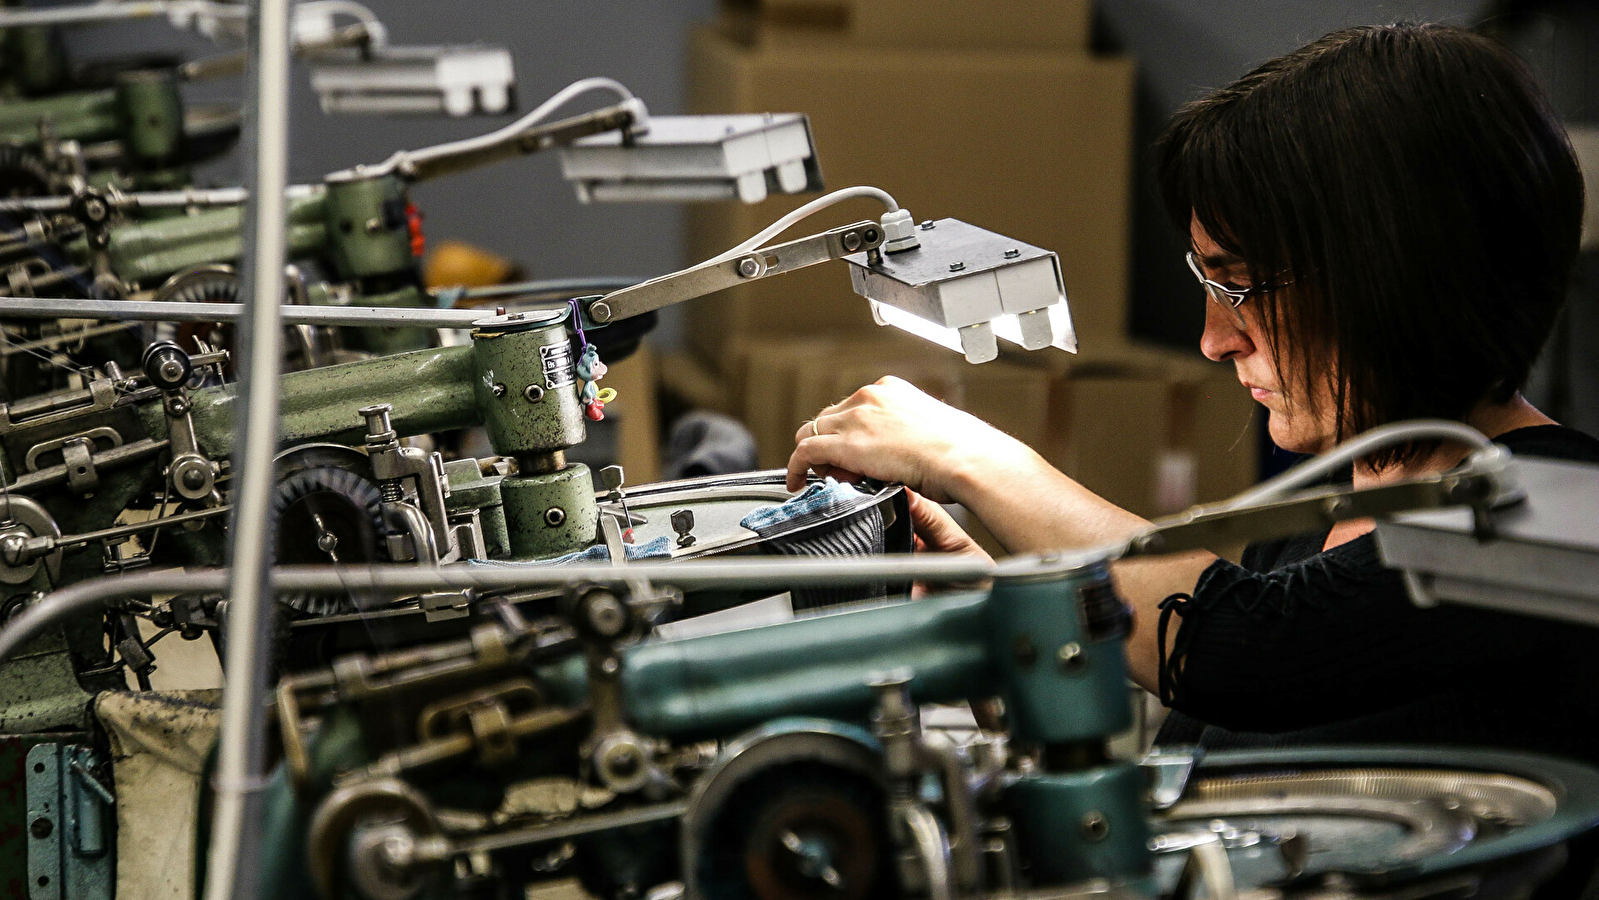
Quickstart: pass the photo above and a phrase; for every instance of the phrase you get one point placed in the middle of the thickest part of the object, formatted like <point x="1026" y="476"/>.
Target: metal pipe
<point x="402" y="580"/>
<point x="232" y="863"/>
<point x="170" y="311"/>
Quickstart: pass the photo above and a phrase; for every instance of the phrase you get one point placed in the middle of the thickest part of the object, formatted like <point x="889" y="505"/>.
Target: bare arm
<point x="893" y="432"/>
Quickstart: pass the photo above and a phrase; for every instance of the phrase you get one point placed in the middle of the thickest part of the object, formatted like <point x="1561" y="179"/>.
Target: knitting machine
<point x="798" y="760"/>
<point x="360" y="230"/>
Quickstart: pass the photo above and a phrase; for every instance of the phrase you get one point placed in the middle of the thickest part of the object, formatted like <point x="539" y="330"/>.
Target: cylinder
<point x="550" y="515"/>
<point x="368" y="226"/>
<point x="152" y="115"/>
<point x="1057" y="644"/>
<point x="526" y="385"/>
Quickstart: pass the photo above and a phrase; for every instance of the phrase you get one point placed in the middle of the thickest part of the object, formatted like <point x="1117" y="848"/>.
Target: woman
<point x="1385" y="222"/>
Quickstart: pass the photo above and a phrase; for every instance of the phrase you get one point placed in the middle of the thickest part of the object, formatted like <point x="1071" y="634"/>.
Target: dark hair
<point x="1414" y="185"/>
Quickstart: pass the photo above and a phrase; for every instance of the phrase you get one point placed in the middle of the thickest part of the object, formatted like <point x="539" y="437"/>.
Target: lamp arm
<point x="719" y="274"/>
<point x="1484" y="481"/>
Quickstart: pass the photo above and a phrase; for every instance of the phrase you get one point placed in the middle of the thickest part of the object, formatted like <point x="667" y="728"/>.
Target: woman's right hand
<point x="893" y="432"/>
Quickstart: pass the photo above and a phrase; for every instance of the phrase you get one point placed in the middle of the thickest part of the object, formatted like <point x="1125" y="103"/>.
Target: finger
<point x="812" y="453"/>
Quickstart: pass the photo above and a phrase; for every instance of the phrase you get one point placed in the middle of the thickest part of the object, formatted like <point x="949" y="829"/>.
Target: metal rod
<point x="106" y="534"/>
<point x="169" y="311"/>
<point x="401" y="579"/>
<point x="233" y="861"/>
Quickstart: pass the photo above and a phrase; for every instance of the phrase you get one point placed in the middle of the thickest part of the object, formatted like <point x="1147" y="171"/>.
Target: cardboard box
<point x="947" y="24"/>
<point x="1033" y="145"/>
<point x="638" y="430"/>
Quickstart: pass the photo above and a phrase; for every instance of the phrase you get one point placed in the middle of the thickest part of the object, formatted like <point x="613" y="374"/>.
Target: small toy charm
<point x="589" y="371"/>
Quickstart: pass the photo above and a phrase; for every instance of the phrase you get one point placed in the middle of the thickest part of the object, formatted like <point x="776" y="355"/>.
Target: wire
<point x="781" y="225"/>
<point x="793" y="218"/>
<point x="377" y="33"/>
<point x="493" y="138"/>
<point x="1357" y="448"/>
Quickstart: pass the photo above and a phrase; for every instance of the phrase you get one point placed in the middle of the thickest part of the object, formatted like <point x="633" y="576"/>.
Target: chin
<point x="1290" y="435"/>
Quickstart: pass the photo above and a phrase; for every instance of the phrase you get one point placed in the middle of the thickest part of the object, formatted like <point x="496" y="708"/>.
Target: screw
<point x="171" y="369"/>
<point x="193" y="479"/>
<point x="533" y="394"/>
<point x="498" y="389"/>
<point x="929" y="225"/>
<point x="957" y="267"/>
<point x="554" y="516"/>
<point x="749" y="267"/>
<point x="1095" y="826"/>
<point x="41" y="828"/>
<point x="374" y="225"/>
<point x="1071" y="658"/>
<point x="1012" y="253"/>
<point x="610" y="665"/>
<point x="852" y="241"/>
<point x="600" y="311"/>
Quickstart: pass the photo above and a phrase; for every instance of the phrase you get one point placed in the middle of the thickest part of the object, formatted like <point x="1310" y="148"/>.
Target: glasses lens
<point x="1221" y="299"/>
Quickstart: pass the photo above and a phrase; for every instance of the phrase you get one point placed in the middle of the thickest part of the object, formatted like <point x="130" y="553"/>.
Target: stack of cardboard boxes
<point x="998" y="114"/>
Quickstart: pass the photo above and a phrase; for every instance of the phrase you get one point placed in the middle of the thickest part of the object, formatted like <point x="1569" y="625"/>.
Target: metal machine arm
<point x="1482" y="482"/>
<point x="719" y="274"/>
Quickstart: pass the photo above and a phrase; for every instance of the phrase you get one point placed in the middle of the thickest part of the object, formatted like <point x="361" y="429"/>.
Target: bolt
<point x="600" y="311"/>
<point x="606" y="614"/>
<point x="171" y="369"/>
<point x="957" y="267"/>
<point x="610" y="666"/>
<point x="1095" y="826"/>
<point x="533" y="394"/>
<point x="374" y="225"/>
<point x="41" y="828"/>
<point x="1012" y="253"/>
<point x="852" y="241"/>
<point x="95" y="209"/>
<point x="929" y="225"/>
<point x="179" y="406"/>
<point x="749" y="267"/>
<point x="193" y="478"/>
<point x="1071" y="658"/>
<point x="554" y="516"/>
<point x="498" y="389"/>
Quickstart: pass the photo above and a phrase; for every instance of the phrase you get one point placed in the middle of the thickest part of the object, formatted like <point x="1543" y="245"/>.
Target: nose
<point x="1223" y="340"/>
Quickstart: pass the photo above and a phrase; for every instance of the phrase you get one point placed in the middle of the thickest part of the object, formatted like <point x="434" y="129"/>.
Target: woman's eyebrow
<point x="1221" y="261"/>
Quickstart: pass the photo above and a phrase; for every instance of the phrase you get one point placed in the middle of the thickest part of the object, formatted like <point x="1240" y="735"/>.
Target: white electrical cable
<point x="789" y="221"/>
<point x="376" y="32"/>
<point x="493" y="138"/>
<point x="1357" y="448"/>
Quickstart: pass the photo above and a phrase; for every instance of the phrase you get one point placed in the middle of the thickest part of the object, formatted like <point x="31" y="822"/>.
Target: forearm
<point x="1031" y="507"/>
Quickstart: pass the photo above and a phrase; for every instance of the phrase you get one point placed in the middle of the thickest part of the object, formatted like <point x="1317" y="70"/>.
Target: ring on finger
<point x="815" y="431"/>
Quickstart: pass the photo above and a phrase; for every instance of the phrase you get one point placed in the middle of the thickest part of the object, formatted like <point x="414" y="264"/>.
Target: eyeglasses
<point x="1229" y="299"/>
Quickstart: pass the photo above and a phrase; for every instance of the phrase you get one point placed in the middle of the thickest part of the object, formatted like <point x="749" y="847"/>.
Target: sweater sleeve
<point x="1319" y="640"/>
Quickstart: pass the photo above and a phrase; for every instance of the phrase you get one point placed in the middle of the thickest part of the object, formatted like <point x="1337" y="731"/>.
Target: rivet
<point x="1071" y="658"/>
<point x="1095" y="826"/>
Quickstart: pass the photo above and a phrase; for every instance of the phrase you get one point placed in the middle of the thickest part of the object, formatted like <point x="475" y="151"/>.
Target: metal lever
<point x="716" y="275"/>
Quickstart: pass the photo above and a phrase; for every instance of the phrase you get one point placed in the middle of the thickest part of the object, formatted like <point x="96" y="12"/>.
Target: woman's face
<point x="1292" y="425"/>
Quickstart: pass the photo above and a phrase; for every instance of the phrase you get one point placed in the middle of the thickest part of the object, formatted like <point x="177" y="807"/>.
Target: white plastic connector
<point x="899" y="231"/>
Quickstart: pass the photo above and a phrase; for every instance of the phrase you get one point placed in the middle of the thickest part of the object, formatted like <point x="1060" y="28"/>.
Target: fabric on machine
<point x="159" y="743"/>
<point x="828" y="519"/>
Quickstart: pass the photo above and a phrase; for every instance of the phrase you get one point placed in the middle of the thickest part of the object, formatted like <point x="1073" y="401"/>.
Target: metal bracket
<point x="71" y="826"/>
<point x="708" y="278"/>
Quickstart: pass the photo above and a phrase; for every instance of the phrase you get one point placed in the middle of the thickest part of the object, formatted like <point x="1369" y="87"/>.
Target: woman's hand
<point x="937" y="531"/>
<point x="893" y="432"/>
